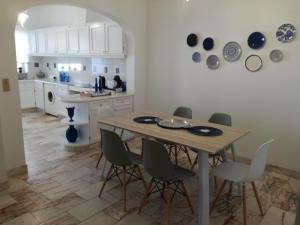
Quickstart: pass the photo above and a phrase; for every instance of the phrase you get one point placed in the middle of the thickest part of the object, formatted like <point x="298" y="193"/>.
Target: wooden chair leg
<point x="124" y="189"/>
<point x="230" y="190"/>
<point x="217" y="197"/>
<point x="168" y="199"/>
<point x="141" y="176"/>
<point x="257" y="198"/>
<point x="100" y="157"/>
<point x="146" y="196"/>
<point x="216" y="182"/>
<point x="105" y="181"/>
<point x="188" y="154"/>
<point x="244" y="205"/>
<point x="176" y="155"/>
<point x="195" y="163"/>
<point x="127" y="147"/>
<point x="187" y="197"/>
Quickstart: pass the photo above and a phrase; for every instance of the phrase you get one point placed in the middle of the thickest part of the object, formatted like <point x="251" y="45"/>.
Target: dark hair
<point x="118" y="80"/>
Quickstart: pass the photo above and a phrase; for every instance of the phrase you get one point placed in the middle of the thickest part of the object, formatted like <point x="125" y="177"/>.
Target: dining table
<point x="204" y="145"/>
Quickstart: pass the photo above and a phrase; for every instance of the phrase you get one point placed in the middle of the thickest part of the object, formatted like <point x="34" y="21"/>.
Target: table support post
<point x="203" y="202"/>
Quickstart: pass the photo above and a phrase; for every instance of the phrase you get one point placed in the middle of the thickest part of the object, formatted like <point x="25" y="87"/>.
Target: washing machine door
<point x="51" y="97"/>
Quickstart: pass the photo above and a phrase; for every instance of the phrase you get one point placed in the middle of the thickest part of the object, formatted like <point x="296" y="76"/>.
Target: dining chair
<point x="297" y="221"/>
<point x="166" y="177"/>
<point x="235" y="172"/>
<point x="222" y="119"/>
<point x="175" y="149"/>
<point x="122" y="162"/>
<point x="126" y="136"/>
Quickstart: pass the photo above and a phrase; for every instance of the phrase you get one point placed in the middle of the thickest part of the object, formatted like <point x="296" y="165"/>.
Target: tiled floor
<point x="61" y="189"/>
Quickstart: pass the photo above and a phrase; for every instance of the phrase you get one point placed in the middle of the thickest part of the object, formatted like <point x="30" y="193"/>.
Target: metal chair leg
<point x="257" y="198"/>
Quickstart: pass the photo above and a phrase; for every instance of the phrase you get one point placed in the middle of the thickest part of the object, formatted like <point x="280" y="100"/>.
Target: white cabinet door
<point x="84" y="40"/>
<point x="27" y="95"/>
<point x="32" y="42"/>
<point x="39" y="95"/>
<point x="114" y="39"/>
<point x="41" y="42"/>
<point x="51" y="42"/>
<point x="98" y="44"/>
<point x="61" y="37"/>
<point x="73" y="41"/>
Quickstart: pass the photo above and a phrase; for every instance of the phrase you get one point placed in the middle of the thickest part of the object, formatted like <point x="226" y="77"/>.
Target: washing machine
<point x="51" y="101"/>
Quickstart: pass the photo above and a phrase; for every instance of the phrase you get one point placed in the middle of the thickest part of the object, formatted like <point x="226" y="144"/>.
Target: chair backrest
<point x="156" y="161"/>
<point x="259" y="161"/>
<point x="221" y="118"/>
<point x="184" y="112"/>
<point x="113" y="148"/>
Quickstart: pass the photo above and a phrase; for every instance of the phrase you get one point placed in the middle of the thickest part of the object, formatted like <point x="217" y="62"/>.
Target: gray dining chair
<point x="175" y="149"/>
<point x="126" y="136"/>
<point x="166" y="177"/>
<point x="222" y="119"/>
<point x="122" y="162"/>
<point x="235" y="172"/>
<point x="297" y="222"/>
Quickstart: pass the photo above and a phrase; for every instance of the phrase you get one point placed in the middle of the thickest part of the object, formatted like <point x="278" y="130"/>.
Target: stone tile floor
<point x="61" y="189"/>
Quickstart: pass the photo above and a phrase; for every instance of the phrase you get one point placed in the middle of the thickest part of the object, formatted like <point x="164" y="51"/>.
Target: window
<point x="63" y="67"/>
<point x="69" y="67"/>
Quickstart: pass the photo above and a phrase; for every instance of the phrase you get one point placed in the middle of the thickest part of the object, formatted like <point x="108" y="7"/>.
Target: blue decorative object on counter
<point x="67" y="77"/>
<point x="72" y="134"/>
<point x="123" y="86"/>
<point x="96" y="85"/>
<point x="62" y="76"/>
<point x="100" y="84"/>
<point x="71" y="113"/>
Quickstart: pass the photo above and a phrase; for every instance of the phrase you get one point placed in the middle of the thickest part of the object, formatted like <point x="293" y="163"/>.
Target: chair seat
<point x="183" y="173"/>
<point x="135" y="159"/>
<point x="232" y="171"/>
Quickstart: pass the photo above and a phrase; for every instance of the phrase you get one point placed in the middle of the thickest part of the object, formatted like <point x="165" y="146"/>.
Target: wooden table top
<point x="208" y="144"/>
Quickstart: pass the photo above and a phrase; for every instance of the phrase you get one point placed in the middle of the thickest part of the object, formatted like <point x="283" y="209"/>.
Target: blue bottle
<point x="100" y="84"/>
<point x="96" y="85"/>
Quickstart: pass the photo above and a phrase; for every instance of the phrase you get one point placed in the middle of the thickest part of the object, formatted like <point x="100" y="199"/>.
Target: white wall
<point x="3" y="174"/>
<point x="130" y="14"/>
<point x="266" y="102"/>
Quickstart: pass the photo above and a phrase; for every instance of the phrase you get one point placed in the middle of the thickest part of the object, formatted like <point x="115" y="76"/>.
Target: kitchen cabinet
<point x="98" y="40"/>
<point x="51" y="42"/>
<point x="73" y="41"/>
<point x="114" y="37"/>
<point x="41" y="42"/>
<point x="39" y="95"/>
<point x="84" y="40"/>
<point x="27" y="97"/>
<point x="32" y="42"/>
<point x="61" y="37"/>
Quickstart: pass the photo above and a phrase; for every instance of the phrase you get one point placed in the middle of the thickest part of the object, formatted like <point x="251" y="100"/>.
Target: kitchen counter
<point x="51" y="81"/>
<point x="76" y="98"/>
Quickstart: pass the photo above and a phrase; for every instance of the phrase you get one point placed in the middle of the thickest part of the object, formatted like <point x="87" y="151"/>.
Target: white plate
<point x="276" y="55"/>
<point x="253" y="63"/>
<point x="213" y="62"/>
<point x="232" y="51"/>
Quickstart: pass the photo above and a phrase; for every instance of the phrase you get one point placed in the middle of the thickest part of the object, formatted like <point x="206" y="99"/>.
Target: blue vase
<point x="72" y="134"/>
<point x="100" y="84"/>
<point x="71" y="113"/>
<point x="96" y="85"/>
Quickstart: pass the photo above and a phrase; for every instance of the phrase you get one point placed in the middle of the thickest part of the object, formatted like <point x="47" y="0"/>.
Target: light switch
<point x="5" y="85"/>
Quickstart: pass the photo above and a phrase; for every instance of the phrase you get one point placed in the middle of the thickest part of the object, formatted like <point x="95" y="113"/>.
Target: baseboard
<point x="18" y="171"/>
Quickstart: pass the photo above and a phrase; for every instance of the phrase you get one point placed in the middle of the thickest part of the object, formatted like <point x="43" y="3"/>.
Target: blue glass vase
<point x="96" y="85"/>
<point x="72" y="134"/>
<point x="71" y="113"/>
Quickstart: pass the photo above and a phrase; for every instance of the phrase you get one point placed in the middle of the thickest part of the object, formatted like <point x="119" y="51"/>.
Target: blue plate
<point x="208" y="44"/>
<point x="196" y="57"/>
<point x="256" y="40"/>
<point x="205" y="131"/>
<point x="192" y="40"/>
<point x="286" y="33"/>
<point x="146" y="119"/>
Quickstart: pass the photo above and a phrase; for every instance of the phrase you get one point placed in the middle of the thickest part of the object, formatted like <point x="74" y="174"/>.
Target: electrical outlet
<point x="5" y="85"/>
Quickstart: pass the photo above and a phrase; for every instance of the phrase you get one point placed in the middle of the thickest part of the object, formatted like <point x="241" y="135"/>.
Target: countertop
<point x="76" y="98"/>
<point x="51" y="81"/>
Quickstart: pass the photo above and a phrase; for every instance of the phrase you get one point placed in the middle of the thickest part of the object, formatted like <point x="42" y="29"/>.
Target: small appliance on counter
<point x="21" y="75"/>
<point x="40" y="75"/>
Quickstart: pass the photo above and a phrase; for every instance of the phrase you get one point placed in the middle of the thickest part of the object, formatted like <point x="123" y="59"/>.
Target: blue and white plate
<point x="286" y="33"/>
<point x="232" y="51"/>
<point x="196" y="57"/>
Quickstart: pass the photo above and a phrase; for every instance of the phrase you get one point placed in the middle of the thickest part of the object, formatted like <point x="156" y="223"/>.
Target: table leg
<point x="203" y="202"/>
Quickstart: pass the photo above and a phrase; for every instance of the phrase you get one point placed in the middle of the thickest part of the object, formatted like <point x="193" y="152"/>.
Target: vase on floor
<point x="71" y="113"/>
<point x="72" y="134"/>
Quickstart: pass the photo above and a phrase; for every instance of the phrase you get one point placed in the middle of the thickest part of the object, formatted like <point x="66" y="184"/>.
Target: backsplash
<point x="91" y="67"/>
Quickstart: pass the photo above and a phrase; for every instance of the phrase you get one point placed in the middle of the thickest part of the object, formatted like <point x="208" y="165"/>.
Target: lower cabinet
<point x="39" y="95"/>
<point x="107" y="108"/>
<point x="27" y="97"/>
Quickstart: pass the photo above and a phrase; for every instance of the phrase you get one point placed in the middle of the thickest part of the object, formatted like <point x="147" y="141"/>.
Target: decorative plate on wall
<point x="213" y="62"/>
<point x="232" y="51"/>
<point x="192" y="40"/>
<point x="276" y="55"/>
<point x="256" y="40"/>
<point x="196" y="57"/>
<point x="286" y="33"/>
<point x="253" y="63"/>
<point x="208" y="44"/>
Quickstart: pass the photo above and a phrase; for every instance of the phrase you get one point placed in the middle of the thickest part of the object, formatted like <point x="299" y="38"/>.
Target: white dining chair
<point x="235" y="172"/>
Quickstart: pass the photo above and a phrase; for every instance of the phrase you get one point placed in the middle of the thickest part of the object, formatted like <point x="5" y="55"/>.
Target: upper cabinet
<point x="104" y="40"/>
